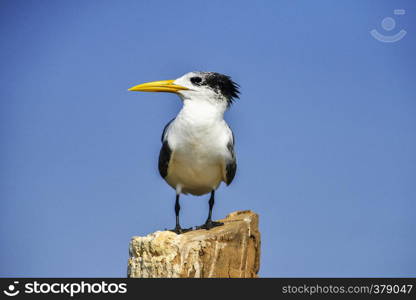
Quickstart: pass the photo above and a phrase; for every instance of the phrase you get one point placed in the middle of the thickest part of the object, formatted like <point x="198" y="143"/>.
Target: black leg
<point x="209" y="223"/>
<point x="178" y="229"/>
<point x="211" y="205"/>
<point x="177" y="209"/>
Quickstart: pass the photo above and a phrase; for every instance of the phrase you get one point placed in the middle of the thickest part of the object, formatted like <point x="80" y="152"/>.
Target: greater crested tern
<point x="198" y="145"/>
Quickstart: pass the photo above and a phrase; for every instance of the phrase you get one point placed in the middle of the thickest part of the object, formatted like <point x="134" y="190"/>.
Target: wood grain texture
<point x="231" y="251"/>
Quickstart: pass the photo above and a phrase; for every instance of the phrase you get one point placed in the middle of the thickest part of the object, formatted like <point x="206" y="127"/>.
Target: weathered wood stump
<point x="232" y="250"/>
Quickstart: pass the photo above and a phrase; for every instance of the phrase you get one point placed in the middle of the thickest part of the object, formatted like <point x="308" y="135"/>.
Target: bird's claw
<point x="179" y="230"/>
<point x="209" y="224"/>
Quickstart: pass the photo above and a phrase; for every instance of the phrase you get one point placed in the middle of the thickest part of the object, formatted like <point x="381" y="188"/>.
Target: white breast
<point x="198" y="139"/>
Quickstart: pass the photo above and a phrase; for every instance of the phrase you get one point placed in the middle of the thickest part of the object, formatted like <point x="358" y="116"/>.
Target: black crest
<point x="223" y="84"/>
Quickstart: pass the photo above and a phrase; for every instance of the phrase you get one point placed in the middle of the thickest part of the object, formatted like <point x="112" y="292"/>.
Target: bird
<point x="197" y="152"/>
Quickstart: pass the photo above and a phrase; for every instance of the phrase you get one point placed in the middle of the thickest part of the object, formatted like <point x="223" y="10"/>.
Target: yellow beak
<point x="158" y="86"/>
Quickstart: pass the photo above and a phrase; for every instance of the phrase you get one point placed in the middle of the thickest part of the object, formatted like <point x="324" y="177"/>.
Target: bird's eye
<point x="196" y="80"/>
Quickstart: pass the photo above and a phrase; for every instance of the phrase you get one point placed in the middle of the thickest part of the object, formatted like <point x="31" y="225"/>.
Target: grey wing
<point x="165" y="153"/>
<point x="231" y="164"/>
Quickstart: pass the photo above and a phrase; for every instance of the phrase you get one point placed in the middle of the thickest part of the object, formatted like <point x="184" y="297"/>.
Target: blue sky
<point x="325" y="131"/>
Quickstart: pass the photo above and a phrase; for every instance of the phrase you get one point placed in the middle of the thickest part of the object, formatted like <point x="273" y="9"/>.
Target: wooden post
<point x="231" y="250"/>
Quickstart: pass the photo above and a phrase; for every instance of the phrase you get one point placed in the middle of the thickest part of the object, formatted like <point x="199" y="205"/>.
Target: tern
<point x="197" y="151"/>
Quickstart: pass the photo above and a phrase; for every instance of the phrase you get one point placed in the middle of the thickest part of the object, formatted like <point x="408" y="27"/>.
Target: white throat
<point x="202" y="111"/>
